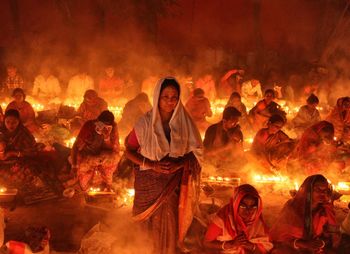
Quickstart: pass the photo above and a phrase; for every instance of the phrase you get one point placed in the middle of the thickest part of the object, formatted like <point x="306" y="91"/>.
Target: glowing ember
<point x="249" y="140"/>
<point x="343" y="186"/>
<point x="269" y="179"/>
<point x="70" y="142"/>
<point x="222" y="180"/>
<point x="296" y="186"/>
<point x="92" y="189"/>
<point x="117" y="111"/>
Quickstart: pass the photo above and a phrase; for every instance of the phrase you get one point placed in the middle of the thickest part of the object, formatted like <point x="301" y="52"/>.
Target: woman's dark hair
<point x="270" y="91"/>
<point x="346" y="100"/>
<point x="235" y="95"/>
<point x="198" y="92"/>
<point x="18" y="90"/>
<point x="106" y="117"/>
<point x="328" y="127"/>
<point x="13" y="113"/>
<point x="170" y="82"/>
<point x="312" y="99"/>
<point x="230" y="113"/>
<point x="277" y="119"/>
<point x="90" y="94"/>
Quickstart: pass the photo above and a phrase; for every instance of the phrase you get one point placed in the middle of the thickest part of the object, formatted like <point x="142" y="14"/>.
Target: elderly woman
<point x="94" y="155"/>
<point x="307" y="222"/>
<point x="271" y="145"/>
<point x="239" y="227"/>
<point x="164" y="145"/>
<point x="24" y="108"/>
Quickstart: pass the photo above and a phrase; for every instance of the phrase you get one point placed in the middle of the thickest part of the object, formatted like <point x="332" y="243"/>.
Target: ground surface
<point x="70" y="219"/>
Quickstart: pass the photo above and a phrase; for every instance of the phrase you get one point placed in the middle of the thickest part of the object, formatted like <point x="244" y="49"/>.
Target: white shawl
<point x="184" y="134"/>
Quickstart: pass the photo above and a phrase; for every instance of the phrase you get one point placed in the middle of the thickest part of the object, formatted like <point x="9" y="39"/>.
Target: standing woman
<point x="165" y="145"/>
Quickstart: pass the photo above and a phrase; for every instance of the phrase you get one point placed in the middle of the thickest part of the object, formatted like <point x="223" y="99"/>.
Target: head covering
<point x="185" y="137"/>
<point x="297" y="220"/>
<point x="233" y="223"/>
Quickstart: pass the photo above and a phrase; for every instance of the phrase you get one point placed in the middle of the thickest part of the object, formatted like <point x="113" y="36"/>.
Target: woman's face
<point x="269" y="97"/>
<point x="18" y="97"/>
<point x="275" y="127"/>
<point x="247" y="209"/>
<point x="326" y="136"/>
<point x="320" y="193"/>
<point x="11" y="123"/>
<point x="236" y="101"/>
<point x="168" y="99"/>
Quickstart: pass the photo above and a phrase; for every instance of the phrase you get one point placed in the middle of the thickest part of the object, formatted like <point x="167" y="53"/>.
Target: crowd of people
<point x="165" y="147"/>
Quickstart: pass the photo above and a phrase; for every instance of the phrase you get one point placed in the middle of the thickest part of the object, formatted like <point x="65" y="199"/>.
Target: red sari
<point x="227" y="224"/>
<point x="96" y="160"/>
<point x="311" y="153"/>
<point x="298" y="221"/>
<point x="339" y="118"/>
<point x="271" y="149"/>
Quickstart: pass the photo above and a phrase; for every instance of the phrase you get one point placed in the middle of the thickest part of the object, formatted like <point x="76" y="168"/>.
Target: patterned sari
<point x="227" y="224"/>
<point x="96" y="161"/>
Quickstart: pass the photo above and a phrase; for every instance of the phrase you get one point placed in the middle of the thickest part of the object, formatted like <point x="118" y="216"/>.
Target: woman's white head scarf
<point x="185" y="137"/>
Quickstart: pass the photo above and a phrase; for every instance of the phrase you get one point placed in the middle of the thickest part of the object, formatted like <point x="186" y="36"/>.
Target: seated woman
<point x="198" y="106"/>
<point x="24" y="108"/>
<point x="271" y="145"/>
<point x="316" y="149"/>
<point x="235" y="101"/>
<point x="92" y="106"/>
<point x="340" y="116"/>
<point x="264" y="109"/>
<point x="307" y="222"/>
<point x="307" y="115"/>
<point x="239" y="227"/>
<point x="94" y="155"/>
<point x="21" y="163"/>
<point x="132" y="111"/>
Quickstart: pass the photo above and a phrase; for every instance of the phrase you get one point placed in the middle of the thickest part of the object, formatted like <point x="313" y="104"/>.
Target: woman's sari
<point x="165" y="203"/>
<point x="29" y="171"/>
<point x="227" y="224"/>
<point x="311" y="153"/>
<point x="271" y="148"/>
<point x="339" y="117"/>
<point x="96" y="161"/>
<point x="299" y="221"/>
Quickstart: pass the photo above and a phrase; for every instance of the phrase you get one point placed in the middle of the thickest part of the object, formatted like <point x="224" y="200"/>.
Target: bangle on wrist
<point x="143" y="162"/>
<point x="254" y="247"/>
<point x="295" y="244"/>
<point x="223" y="245"/>
<point x="323" y="244"/>
<point x="19" y="154"/>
